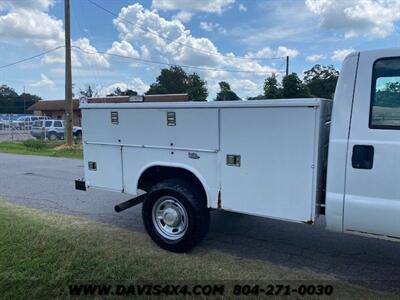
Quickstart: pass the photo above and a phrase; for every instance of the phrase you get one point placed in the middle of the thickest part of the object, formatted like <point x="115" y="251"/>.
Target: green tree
<point x="271" y="88"/>
<point x="258" y="97"/>
<point x="170" y="81"/>
<point x="321" y="81"/>
<point x="389" y="95"/>
<point x="89" y="91"/>
<point x="197" y="88"/>
<point x="7" y="92"/>
<point x="29" y="99"/>
<point x="11" y="102"/>
<point x="176" y="81"/>
<point x="119" y="92"/>
<point x="225" y="93"/>
<point x="293" y="87"/>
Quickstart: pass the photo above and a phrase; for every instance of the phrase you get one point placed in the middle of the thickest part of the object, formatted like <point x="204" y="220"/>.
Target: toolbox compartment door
<point x="178" y="128"/>
<point x="268" y="162"/>
<point x="107" y="171"/>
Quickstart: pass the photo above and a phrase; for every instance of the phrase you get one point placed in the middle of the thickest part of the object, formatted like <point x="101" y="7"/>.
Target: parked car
<point x="52" y="130"/>
<point x="26" y="122"/>
<point x="7" y="119"/>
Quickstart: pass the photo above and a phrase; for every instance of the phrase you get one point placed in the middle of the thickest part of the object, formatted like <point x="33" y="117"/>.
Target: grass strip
<point x="42" y="253"/>
<point x="42" y="148"/>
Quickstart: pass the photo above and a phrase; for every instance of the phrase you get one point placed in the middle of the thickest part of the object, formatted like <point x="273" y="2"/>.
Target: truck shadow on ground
<point x="367" y="262"/>
<point x="359" y="260"/>
<point x="362" y="261"/>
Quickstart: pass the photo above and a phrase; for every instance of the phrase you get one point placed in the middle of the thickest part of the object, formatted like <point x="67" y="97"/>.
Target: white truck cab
<point x="363" y="192"/>
<point x="267" y="158"/>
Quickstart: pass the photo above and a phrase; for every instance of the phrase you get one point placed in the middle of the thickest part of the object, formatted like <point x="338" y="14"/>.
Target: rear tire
<point x="175" y="215"/>
<point x="52" y="136"/>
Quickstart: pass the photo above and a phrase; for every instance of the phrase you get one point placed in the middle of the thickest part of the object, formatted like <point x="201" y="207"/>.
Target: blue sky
<point x="232" y="40"/>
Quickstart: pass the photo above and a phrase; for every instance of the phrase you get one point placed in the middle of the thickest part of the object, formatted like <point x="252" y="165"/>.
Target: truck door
<point x="372" y="200"/>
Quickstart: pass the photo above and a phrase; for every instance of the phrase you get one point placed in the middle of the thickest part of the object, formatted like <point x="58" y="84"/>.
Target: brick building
<point x="55" y="109"/>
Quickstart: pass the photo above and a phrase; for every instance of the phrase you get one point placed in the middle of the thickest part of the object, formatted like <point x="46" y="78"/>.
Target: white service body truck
<point x="266" y="158"/>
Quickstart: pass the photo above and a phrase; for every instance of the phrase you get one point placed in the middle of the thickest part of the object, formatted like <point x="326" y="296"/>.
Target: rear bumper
<point x="37" y="134"/>
<point x="80" y="184"/>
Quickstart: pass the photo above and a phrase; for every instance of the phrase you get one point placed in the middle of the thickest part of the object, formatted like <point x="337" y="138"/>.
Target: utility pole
<point x="24" y="102"/>
<point x="287" y="65"/>
<point x="68" y="77"/>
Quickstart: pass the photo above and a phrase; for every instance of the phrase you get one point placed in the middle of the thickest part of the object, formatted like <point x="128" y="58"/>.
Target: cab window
<point x="385" y="102"/>
<point x="57" y="124"/>
<point x="48" y="123"/>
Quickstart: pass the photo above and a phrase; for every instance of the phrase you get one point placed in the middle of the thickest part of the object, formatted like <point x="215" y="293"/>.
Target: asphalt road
<point x="47" y="183"/>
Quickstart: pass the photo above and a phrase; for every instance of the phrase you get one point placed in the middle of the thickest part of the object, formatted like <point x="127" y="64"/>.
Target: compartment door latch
<point x="233" y="160"/>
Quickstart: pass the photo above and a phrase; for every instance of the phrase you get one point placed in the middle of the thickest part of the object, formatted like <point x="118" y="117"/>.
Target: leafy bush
<point x="36" y="144"/>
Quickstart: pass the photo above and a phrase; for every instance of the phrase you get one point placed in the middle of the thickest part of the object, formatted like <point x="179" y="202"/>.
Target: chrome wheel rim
<point x="170" y="218"/>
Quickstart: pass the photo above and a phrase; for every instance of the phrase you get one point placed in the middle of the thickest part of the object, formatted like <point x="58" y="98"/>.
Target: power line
<point x="30" y="58"/>
<point x="175" y="41"/>
<point x="132" y="58"/>
<point x="169" y="64"/>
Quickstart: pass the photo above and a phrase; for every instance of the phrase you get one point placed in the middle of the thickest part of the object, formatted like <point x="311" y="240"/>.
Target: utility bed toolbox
<point x="259" y="157"/>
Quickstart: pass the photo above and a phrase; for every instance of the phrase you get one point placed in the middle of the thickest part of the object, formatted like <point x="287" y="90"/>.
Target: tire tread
<point x="195" y="202"/>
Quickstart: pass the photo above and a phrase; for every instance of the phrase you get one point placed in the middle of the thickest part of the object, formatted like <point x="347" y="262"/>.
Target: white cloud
<point x="137" y="85"/>
<point x="209" y="26"/>
<point x="26" y="22"/>
<point x="112" y="87"/>
<point x="43" y="82"/>
<point x="267" y="52"/>
<point x="123" y="48"/>
<point x="264" y="52"/>
<point x="368" y="18"/>
<point x="173" y="43"/>
<point x="210" y="6"/>
<point x="89" y="56"/>
<point x="26" y="4"/>
<point x="283" y="51"/>
<point x="58" y="57"/>
<point x="244" y="86"/>
<point x="242" y="7"/>
<point x="340" y="54"/>
<point x="33" y="27"/>
<point x="315" y="57"/>
<point x="183" y="16"/>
